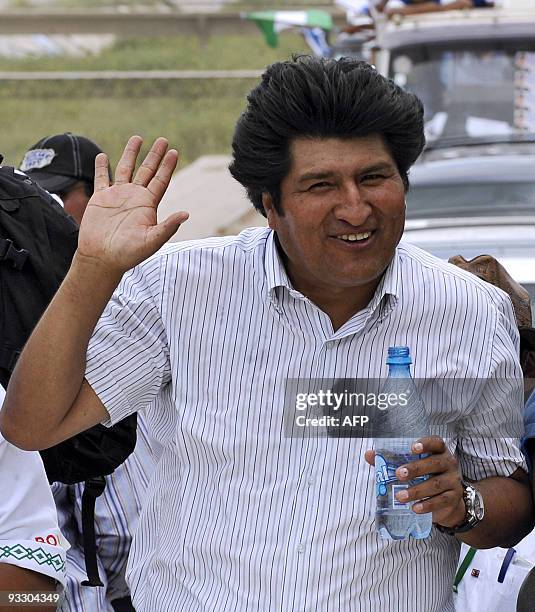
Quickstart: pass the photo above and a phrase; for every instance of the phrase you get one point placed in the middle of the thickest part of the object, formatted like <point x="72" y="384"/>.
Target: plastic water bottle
<point x="396" y="520"/>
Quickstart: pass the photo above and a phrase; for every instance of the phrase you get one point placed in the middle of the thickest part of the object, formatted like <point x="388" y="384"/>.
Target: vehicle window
<point x="471" y="92"/>
<point x="469" y="200"/>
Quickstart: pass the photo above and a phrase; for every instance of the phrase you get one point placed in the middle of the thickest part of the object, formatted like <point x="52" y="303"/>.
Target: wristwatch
<point x="475" y="511"/>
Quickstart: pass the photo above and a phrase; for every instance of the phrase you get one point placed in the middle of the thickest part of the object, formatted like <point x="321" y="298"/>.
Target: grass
<point x="231" y="6"/>
<point x="196" y="125"/>
<point x="197" y="117"/>
<point x="240" y="51"/>
<point x="259" y="5"/>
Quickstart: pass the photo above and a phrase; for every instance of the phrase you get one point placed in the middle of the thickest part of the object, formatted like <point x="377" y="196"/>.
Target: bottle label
<point x="384" y="475"/>
<point x="397" y="504"/>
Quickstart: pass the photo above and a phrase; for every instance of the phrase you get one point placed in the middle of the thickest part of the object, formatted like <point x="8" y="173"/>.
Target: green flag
<point x="273" y="22"/>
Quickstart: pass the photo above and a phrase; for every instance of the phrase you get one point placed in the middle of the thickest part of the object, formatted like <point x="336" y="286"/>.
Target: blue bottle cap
<point x="398" y="355"/>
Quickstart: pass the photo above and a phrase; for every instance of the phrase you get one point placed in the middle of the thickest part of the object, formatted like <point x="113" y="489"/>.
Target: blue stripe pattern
<point x="240" y="517"/>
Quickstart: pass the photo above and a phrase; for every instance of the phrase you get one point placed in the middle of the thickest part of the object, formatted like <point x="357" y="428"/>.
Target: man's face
<point x="75" y="202"/>
<point x="338" y="188"/>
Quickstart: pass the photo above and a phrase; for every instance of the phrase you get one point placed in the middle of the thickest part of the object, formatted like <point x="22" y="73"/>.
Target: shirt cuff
<point x="36" y="556"/>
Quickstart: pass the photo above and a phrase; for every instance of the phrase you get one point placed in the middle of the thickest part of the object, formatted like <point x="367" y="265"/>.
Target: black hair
<point x="320" y="98"/>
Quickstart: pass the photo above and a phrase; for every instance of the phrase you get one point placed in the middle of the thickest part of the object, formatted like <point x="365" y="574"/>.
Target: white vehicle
<point x="474" y="70"/>
<point x="477" y="204"/>
<point x="473" y="190"/>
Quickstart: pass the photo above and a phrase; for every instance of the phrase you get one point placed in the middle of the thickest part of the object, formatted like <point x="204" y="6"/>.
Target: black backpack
<point x="37" y="243"/>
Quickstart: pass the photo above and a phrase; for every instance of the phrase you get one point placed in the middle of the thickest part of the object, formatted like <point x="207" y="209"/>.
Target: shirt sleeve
<point x="489" y="437"/>
<point x="128" y="354"/>
<point x="29" y="534"/>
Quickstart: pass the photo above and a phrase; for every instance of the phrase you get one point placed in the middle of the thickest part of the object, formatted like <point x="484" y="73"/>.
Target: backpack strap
<point x="463" y="567"/>
<point x="8" y="357"/>
<point x="8" y="252"/>
<point x="92" y="489"/>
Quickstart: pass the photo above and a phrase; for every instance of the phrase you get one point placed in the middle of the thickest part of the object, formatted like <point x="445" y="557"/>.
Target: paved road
<point x="216" y="202"/>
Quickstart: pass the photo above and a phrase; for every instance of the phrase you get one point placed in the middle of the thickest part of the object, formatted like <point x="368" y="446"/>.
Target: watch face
<point x="479" y="509"/>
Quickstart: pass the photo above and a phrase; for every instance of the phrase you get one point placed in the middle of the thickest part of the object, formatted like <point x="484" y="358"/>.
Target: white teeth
<point x="355" y="237"/>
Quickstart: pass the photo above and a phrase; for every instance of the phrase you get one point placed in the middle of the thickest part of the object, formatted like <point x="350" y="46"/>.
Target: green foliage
<point x="196" y="125"/>
<point x="259" y="5"/>
<point x="83" y="3"/>
<point x="232" y="52"/>
<point x="197" y="116"/>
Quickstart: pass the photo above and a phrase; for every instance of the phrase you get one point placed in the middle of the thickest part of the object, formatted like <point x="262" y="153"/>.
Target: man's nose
<point x="353" y="207"/>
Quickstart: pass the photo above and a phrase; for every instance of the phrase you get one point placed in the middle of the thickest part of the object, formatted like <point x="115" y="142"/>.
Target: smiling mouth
<point x="361" y="237"/>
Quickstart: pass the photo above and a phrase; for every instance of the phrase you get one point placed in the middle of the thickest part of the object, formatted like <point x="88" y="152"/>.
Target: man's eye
<point x="317" y="186"/>
<point x="369" y="178"/>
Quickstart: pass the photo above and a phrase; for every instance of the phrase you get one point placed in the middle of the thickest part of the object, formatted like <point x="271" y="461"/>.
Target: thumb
<point x="369" y="455"/>
<point x="159" y="234"/>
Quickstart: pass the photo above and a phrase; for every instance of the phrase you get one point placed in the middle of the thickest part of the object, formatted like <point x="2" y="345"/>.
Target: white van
<point x="473" y="190"/>
<point x="483" y="203"/>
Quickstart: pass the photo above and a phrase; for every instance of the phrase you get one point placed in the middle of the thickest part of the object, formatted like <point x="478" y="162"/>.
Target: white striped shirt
<point x="117" y="513"/>
<point x="240" y="517"/>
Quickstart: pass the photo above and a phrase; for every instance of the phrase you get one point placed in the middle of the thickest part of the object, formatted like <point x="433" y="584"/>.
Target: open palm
<point x="120" y="227"/>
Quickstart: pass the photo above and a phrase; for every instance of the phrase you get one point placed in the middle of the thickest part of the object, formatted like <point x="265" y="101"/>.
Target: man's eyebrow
<point x="377" y="167"/>
<point x="314" y="176"/>
<point x="384" y="165"/>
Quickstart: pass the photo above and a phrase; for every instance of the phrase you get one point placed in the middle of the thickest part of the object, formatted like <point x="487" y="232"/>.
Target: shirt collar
<point x="277" y="276"/>
<point x="390" y="285"/>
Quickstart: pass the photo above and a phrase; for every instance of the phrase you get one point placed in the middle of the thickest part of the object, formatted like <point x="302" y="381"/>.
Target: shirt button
<point x="300" y="548"/>
<point x="311" y="480"/>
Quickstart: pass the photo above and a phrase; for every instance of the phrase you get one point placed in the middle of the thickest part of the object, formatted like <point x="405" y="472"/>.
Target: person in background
<point x="366" y="12"/>
<point x="496" y="583"/>
<point x="32" y="547"/>
<point x="414" y="7"/>
<point x="64" y="164"/>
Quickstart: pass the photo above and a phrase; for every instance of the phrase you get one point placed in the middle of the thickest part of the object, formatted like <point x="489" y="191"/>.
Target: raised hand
<point x="119" y="228"/>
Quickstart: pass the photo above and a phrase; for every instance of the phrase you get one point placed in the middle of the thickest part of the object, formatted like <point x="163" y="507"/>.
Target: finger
<point x="431" y="487"/>
<point x="449" y="516"/>
<point x="127" y="163"/>
<point x="159" y="234"/>
<point x="429" y="444"/>
<point x="102" y="173"/>
<point x="151" y="163"/>
<point x="446" y="503"/>
<point x="434" y="464"/>
<point x="369" y="456"/>
<point x="160" y="182"/>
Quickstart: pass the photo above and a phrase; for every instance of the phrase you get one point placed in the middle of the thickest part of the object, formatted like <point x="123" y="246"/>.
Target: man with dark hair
<point x="360" y="96"/>
<point x="64" y="165"/>
<point x="240" y="516"/>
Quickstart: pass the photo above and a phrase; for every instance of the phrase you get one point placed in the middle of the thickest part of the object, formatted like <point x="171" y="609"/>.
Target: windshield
<point x="471" y="199"/>
<point x="471" y="92"/>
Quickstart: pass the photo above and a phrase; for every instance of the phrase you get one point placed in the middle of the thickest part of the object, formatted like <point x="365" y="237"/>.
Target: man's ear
<point x="271" y="213"/>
